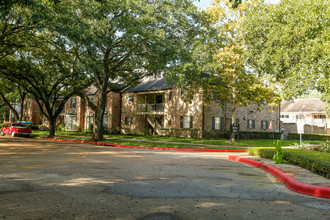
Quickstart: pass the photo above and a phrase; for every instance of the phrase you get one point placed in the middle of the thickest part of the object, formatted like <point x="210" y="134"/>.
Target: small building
<point x="310" y="111"/>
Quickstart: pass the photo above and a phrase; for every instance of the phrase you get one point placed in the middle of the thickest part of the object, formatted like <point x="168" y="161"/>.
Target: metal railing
<point x="159" y="107"/>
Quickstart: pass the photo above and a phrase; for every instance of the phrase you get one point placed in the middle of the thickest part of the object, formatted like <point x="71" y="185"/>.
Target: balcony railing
<point x="150" y="107"/>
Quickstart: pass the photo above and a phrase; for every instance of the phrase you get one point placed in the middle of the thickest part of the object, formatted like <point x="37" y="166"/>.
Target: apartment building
<point x="78" y="116"/>
<point x="158" y="108"/>
<point x="155" y="107"/>
<point x="310" y="111"/>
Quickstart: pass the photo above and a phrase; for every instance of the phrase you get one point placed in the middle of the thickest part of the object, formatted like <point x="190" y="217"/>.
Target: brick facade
<point x="177" y="113"/>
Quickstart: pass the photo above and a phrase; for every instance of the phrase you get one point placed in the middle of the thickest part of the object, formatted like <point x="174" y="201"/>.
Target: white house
<point x="310" y="110"/>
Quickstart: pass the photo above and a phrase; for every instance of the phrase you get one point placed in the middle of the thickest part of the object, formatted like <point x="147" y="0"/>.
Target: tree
<point x="123" y="41"/>
<point x="43" y="62"/>
<point x="47" y="73"/>
<point x="228" y="79"/>
<point x="10" y="94"/>
<point x="290" y="41"/>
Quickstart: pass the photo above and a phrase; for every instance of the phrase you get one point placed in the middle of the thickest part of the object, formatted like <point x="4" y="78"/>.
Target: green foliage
<point x="61" y="127"/>
<point x="90" y="127"/>
<point x="290" y="41"/>
<point x="317" y="162"/>
<point x="325" y="147"/>
<point x="306" y="136"/>
<point x="43" y="128"/>
<point x="126" y="40"/>
<point x="278" y="157"/>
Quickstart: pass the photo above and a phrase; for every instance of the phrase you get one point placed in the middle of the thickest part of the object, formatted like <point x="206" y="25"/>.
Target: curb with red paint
<point x="289" y="181"/>
<point x="149" y="148"/>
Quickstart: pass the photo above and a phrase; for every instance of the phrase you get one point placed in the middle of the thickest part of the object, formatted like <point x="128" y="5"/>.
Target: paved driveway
<point x="57" y="180"/>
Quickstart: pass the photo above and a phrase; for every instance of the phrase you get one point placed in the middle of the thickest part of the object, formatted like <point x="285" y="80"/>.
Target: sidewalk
<point x="301" y="174"/>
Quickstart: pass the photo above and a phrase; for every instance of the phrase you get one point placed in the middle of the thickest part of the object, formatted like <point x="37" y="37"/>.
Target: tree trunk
<point x="99" y="114"/>
<point x="233" y="121"/>
<point x="98" y="125"/>
<point x="10" y="107"/>
<point x="52" y="127"/>
<point x="22" y="106"/>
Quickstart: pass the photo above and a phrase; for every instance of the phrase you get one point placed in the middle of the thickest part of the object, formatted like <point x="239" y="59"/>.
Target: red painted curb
<point x="244" y="160"/>
<point x="149" y="148"/>
<point x="289" y="181"/>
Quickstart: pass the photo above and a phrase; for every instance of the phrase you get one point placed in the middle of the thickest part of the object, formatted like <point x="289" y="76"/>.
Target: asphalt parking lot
<point x="56" y="180"/>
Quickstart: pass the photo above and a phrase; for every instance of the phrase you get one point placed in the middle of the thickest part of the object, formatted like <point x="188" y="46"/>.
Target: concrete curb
<point x="149" y="148"/>
<point x="289" y="181"/>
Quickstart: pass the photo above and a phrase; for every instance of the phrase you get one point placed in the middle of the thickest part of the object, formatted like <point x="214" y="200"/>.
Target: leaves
<point x="290" y="41"/>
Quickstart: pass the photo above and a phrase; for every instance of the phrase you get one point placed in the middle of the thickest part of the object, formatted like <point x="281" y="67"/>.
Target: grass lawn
<point x="221" y="143"/>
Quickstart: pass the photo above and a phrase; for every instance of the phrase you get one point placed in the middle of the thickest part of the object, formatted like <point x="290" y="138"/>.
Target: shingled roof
<point x="150" y="86"/>
<point x="305" y="105"/>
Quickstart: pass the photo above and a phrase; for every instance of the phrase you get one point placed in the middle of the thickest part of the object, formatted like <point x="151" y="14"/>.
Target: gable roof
<point x="154" y="85"/>
<point x="305" y="105"/>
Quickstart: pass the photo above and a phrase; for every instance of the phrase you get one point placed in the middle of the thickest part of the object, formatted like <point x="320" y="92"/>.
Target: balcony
<point x="150" y="108"/>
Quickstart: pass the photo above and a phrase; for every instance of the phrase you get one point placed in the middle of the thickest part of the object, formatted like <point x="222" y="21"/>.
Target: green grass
<point x="115" y="138"/>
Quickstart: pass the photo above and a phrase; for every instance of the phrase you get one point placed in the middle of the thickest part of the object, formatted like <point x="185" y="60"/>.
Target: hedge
<point x="311" y="137"/>
<point x="317" y="162"/>
<point x="222" y="134"/>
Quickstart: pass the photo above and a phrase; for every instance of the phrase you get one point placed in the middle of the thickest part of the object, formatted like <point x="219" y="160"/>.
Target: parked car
<point x="16" y="129"/>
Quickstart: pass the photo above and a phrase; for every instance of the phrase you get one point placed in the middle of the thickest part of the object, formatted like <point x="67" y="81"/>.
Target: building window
<point x="170" y="96"/>
<point x="169" y="122"/>
<point x="186" y="121"/>
<point x="105" y="120"/>
<point x="237" y="122"/>
<point x="73" y="102"/>
<point x="284" y="116"/>
<point x="251" y="123"/>
<point x="130" y="99"/>
<point x="216" y="96"/>
<point x="128" y="120"/>
<point x="89" y="121"/>
<point x="27" y="105"/>
<point x="92" y="99"/>
<point x="264" y="124"/>
<point x="216" y="123"/>
<point x="71" y="123"/>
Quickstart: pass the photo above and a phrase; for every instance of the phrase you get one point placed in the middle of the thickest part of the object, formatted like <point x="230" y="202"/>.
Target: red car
<point x="16" y="129"/>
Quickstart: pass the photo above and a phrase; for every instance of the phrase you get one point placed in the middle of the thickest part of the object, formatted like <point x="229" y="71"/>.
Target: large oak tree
<point x="125" y="40"/>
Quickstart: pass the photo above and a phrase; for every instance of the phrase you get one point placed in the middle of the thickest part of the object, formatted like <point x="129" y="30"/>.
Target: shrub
<point x="317" y="162"/>
<point x="325" y="147"/>
<point x="90" y="127"/>
<point x="43" y="128"/>
<point x="33" y="127"/>
<point x="316" y="137"/>
<point x="61" y="127"/>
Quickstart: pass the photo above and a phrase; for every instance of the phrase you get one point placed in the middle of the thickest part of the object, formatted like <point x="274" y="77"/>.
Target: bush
<point x="90" y="127"/>
<point x="33" y="127"/>
<point x="61" y="127"/>
<point x="325" y="147"/>
<point x="311" y="137"/>
<point x="43" y="128"/>
<point x="246" y="135"/>
<point x="317" y="162"/>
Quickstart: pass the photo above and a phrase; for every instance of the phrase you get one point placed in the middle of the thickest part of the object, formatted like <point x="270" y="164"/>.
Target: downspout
<point x="203" y="115"/>
<point x="279" y="117"/>
<point x="120" y="110"/>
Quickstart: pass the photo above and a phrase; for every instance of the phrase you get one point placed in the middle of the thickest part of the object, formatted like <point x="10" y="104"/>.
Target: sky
<point x="204" y="3"/>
